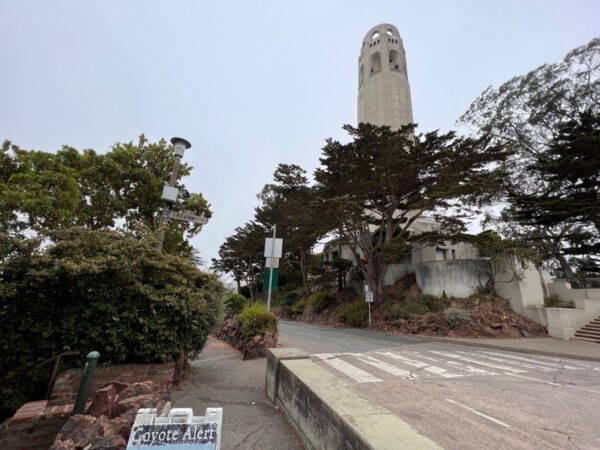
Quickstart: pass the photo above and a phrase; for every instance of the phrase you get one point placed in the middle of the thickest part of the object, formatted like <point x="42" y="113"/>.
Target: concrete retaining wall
<point x="331" y="415"/>
<point x="457" y="278"/>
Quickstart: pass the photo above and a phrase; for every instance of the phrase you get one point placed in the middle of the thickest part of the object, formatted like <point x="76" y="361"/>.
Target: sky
<point x="252" y="83"/>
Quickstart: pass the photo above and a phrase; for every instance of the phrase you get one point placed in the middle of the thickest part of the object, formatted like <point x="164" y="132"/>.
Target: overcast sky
<point x="252" y="83"/>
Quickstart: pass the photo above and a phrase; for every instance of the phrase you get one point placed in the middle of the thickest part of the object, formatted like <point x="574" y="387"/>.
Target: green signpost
<point x="266" y="277"/>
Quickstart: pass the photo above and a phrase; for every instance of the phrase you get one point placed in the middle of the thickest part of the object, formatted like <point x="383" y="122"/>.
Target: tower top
<point x="380" y="31"/>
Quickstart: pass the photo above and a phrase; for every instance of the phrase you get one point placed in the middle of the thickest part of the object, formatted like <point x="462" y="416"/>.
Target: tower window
<point x="375" y="35"/>
<point x="394" y="60"/>
<point x="375" y="63"/>
<point x="390" y="32"/>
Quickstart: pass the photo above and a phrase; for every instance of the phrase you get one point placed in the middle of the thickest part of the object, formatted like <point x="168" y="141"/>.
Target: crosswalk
<point x="375" y="366"/>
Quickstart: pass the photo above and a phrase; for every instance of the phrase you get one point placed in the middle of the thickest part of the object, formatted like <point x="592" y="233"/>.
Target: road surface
<point x="463" y="397"/>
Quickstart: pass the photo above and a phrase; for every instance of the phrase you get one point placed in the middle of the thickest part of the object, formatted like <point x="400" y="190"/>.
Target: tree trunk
<point x="375" y="275"/>
<point x="239" y="286"/>
<point x="304" y="275"/>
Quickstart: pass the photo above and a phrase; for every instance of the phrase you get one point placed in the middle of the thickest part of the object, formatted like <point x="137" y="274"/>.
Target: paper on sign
<point x="268" y="263"/>
<point x="276" y="250"/>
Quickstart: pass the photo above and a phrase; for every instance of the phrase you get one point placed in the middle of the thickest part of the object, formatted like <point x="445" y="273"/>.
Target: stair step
<point x="596" y="341"/>
<point x="587" y="334"/>
<point x="591" y="327"/>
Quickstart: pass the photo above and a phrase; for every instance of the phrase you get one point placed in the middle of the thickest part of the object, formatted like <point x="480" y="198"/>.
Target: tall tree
<point x="528" y="114"/>
<point x="383" y="180"/>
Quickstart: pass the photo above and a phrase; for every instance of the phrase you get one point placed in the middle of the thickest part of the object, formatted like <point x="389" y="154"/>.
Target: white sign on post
<point x="369" y="297"/>
<point x="188" y="216"/>
<point x="274" y="265"/>
<point x="277" y="249"/>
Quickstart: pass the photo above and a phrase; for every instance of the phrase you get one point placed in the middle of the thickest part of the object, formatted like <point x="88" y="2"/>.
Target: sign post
<point x="273" y="249"/>
<point x="369" y="296"/>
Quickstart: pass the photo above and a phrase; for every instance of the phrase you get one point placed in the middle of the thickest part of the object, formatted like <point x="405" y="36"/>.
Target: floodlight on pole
<point x="170" y="191"/>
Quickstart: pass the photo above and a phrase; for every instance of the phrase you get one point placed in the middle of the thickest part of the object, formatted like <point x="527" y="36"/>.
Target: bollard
<point x="86" y="382"/>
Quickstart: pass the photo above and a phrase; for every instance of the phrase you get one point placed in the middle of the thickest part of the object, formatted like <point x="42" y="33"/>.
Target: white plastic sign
<point x="277" y="249"/>
<point x="369" y="297"/>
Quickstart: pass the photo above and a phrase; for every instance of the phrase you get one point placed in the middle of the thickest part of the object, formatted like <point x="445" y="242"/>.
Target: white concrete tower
<point x="383" y="89"/>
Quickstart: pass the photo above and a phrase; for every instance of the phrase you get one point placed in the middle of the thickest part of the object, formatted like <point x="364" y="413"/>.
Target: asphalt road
<point x="463" y="397"/>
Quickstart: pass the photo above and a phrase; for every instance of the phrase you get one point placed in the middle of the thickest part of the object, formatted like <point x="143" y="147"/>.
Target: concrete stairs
<point x="589" y="332"/>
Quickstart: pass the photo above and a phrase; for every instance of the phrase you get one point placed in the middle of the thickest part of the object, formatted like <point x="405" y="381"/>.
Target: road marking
<point x="516" y="363"/>
<point x="474" y="411"/>
<point x="420" y="365"/>
<point x="575" y="363"/>
<point x="381" y="365"/>
<point x="474" y="361"/>
<point x="470" y="369"/>
<point x="552" y="383"/>
<point x="559" y="366"/>
<point x="351" y="371"/>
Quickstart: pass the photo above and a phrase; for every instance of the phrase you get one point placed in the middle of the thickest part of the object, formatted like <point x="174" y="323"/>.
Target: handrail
<point x="56" y="359"/>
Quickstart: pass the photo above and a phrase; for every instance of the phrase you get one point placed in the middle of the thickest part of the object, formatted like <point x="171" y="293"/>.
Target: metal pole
<point x="271" y="271"/>
<point x="369" y="314"/>
<point x="86" y="382"/>
<point x="180" y="146"/>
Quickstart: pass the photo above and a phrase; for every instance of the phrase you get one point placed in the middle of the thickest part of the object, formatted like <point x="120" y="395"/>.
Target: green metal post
<point x="91" y="361"/>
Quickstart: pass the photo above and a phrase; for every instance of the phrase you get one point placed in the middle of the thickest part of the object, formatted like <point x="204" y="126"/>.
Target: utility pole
<point x="170" y="192"/>
<point x="272" y="268"/>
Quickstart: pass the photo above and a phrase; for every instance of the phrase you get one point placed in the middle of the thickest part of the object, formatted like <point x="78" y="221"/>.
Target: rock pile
<point x="109" y="417"/>
<point x="230" y="331"/>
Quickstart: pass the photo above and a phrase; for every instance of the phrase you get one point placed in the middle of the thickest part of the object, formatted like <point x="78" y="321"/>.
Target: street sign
<point x="267" y="276"/>
<point x="179" y="430"/>
<point x="277" y="249"/>
<point x="275" y="263"/>
<point x="369" y="296"/>
<point x="188" y="216"/>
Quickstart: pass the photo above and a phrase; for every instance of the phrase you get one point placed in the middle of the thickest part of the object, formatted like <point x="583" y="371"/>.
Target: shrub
<point x="288" y="301"/>
<point x="554" y="301"/>
<point x="256" y="320"/>
<point x="298" y="307"/>
<point x="234" y="304"/>
<point x="99" y="290"/>
<point x="417" y="306"/>
<point x="456" y="317"/>
<point x="354" y="314"/>
<point x="320" y="300"/>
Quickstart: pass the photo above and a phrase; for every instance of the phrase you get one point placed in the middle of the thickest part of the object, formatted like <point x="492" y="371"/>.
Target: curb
<point x="509" y="348"/>
<point x="329" y="414"/>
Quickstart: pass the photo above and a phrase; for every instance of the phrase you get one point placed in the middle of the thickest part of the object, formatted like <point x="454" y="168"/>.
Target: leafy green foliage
<point x="355" y="313"/>
<point x="89" y="290"/>
<point x="122" y="187"/>
<point x="554" y="301"/>
<point x="456" y="317"/>
<point x="289" y="300"/>
<point x="417" y="306"/>
<point x="319" y="301"/>
<point x="256" y="320"/>
<point x="234" y="304"/>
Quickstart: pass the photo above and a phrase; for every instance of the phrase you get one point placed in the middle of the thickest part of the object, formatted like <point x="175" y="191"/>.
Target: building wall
<point x="383" y="90"/>
<point x="456" y="278"/>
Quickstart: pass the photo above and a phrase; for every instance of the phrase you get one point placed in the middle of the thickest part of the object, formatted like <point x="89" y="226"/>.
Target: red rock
<point x="109" y="443"/>
<point x="118" y="385"/>
<point x="140" y="401"/>
<point x="78" y="432"/>
<point x="137" y="389"/>
<point x="104" y="402"/>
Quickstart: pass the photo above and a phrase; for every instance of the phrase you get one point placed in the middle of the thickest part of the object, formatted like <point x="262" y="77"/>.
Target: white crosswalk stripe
<point x="415" y="365"/>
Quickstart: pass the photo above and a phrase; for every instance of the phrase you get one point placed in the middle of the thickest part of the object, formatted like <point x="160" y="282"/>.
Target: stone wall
<point x="67" y="383"/>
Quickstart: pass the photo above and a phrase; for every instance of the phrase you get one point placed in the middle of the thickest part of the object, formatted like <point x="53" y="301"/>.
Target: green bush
<point x="417" y="306"/>
<point x="321" y="300"/>
<point x="288" y="301"/>
<point x="234" y="304"/>
<point x="354" y="314"/>
<point x="456" y="316"/>
<point x="554" y="301"/>
<point x="298" y="307"/>
<point x="256" y="320"/>
<point x="99" y="290"/>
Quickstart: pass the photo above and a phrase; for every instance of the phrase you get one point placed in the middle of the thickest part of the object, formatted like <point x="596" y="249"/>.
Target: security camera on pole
<point x="170" y="194"/>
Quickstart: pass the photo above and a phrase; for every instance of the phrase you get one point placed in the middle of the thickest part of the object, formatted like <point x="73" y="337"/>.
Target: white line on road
<point x="474" y="411"/>
<point x="515" y="363"/>
<point x="420" y="365"/>
<point x="393" y="370"/>
<point x="465" y="367"/>
<point x="481" y="363"/>
<point x="558" y="366"/>
<point x="351" y="371"/>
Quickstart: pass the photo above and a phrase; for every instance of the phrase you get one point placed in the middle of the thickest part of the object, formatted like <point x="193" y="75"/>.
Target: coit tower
<point x="383" y="90"/>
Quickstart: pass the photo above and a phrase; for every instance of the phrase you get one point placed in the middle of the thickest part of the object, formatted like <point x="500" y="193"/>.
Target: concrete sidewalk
<point x="541" y="346"/>
<point x="219" y="378"/>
